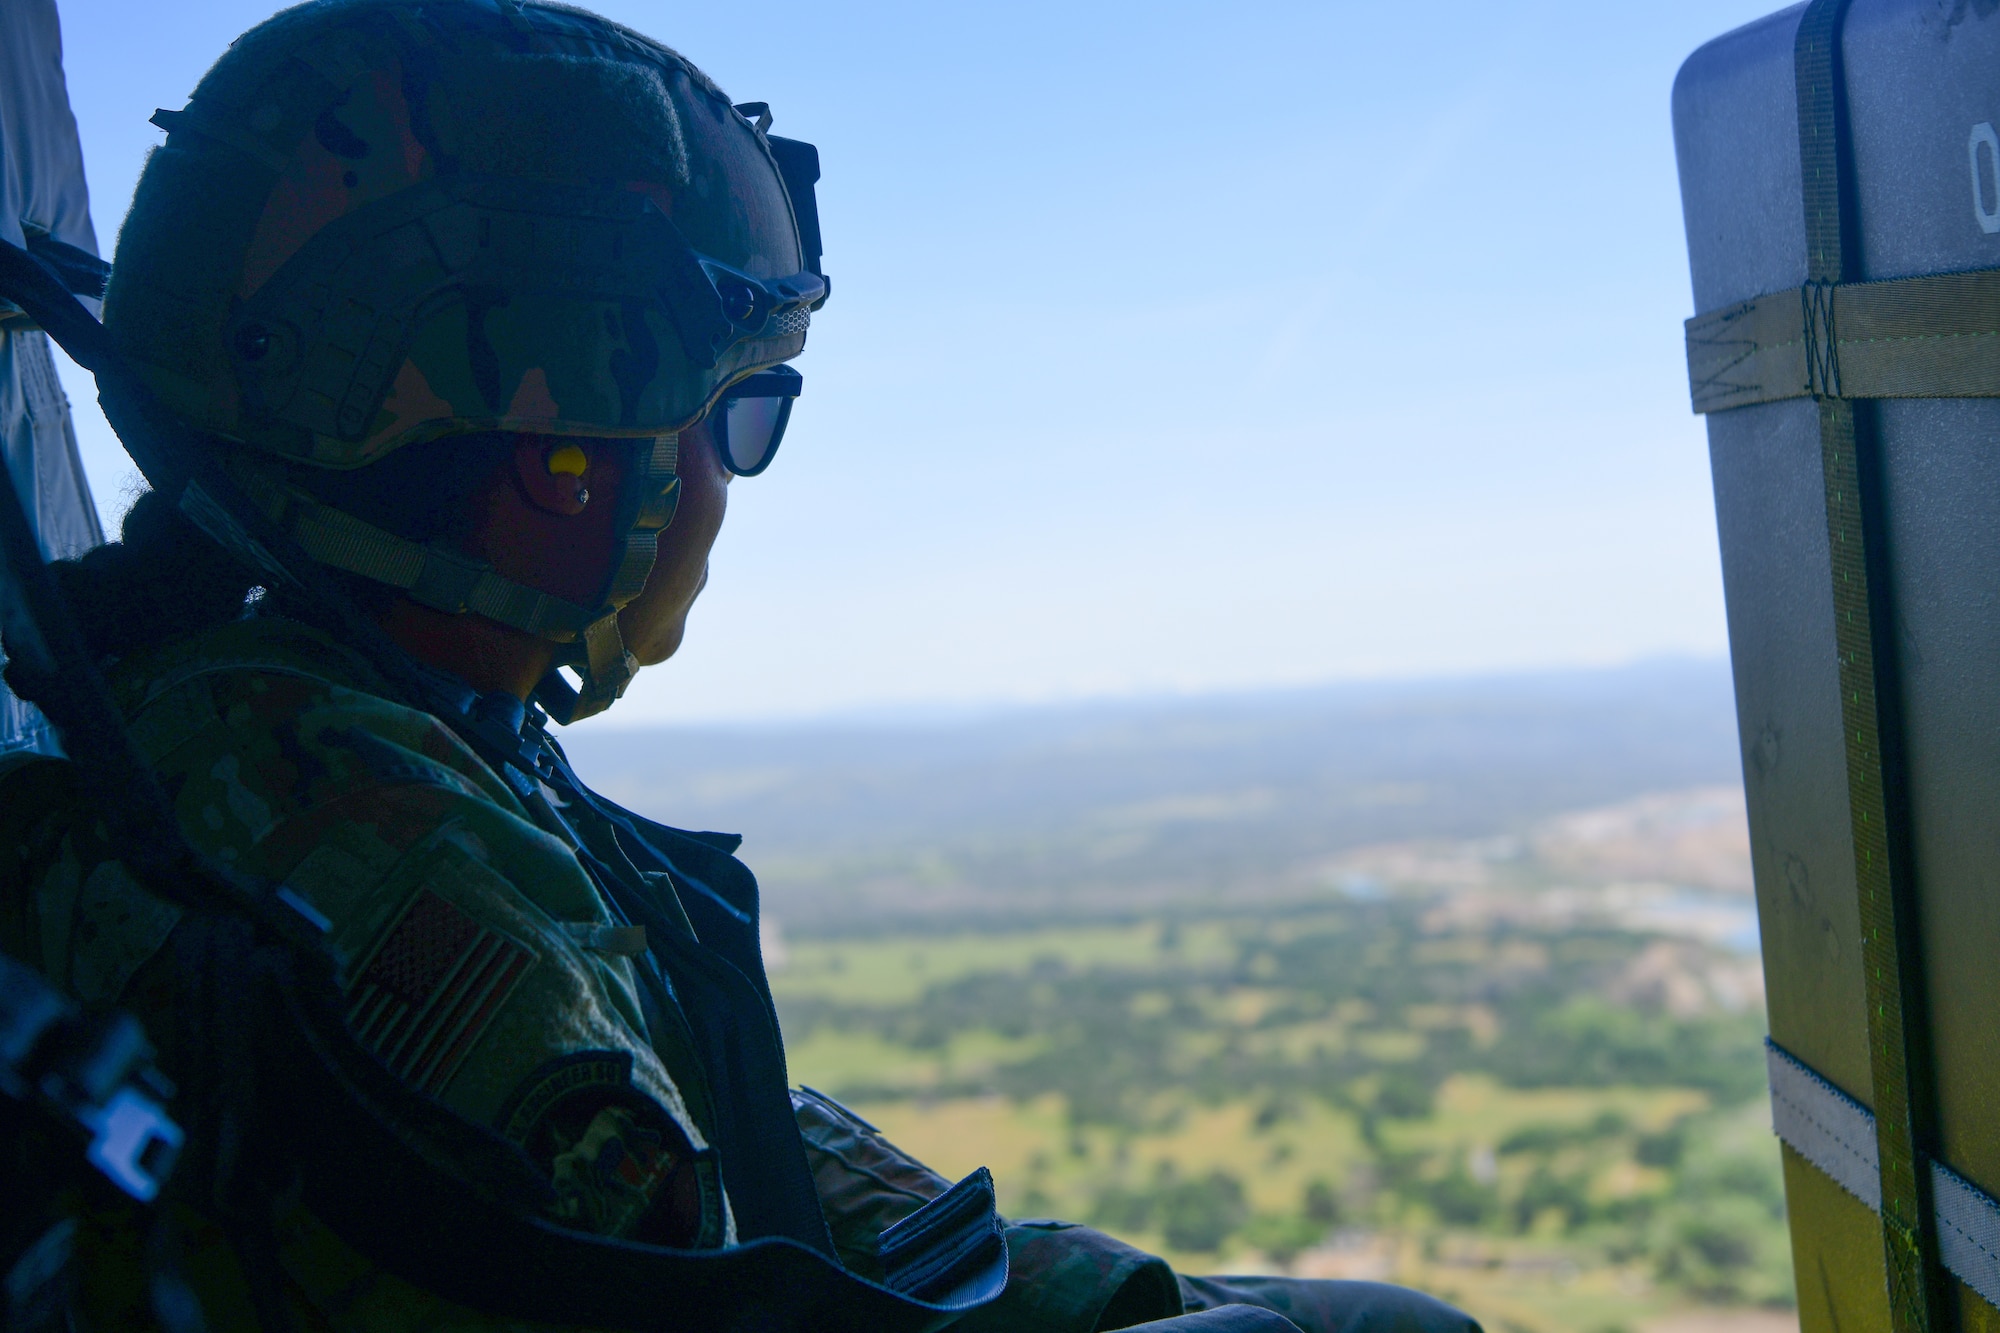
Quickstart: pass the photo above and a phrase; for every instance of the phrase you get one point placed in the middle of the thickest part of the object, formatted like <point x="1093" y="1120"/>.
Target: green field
<point x="1346" y="1088"/>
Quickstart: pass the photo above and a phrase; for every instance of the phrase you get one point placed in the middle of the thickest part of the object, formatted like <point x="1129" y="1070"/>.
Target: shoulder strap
<point x="718" y="980"/>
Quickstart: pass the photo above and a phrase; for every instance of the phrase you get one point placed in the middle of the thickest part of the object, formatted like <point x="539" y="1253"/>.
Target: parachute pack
<point x="1840" y="177"/>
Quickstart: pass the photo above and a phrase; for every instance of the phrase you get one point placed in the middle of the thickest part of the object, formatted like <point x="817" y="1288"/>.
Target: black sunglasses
<point x="749" y="421"/>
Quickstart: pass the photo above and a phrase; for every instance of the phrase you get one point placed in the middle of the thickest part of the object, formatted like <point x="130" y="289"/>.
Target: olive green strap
<point x="1899" y="1082"/>
<point x="1936" y="336"/>
<point x="434" y="575"/>
<point x="1849" y="453"/>
<point x="607" y="668"/>
<point x="439" y="577"/>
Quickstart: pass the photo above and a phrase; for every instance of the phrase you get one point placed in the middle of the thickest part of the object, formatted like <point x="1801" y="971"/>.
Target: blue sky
<point x="1174" y="347"/>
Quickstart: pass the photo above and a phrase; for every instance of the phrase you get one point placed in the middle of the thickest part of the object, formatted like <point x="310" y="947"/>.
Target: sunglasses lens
<point x="752" y="428"/>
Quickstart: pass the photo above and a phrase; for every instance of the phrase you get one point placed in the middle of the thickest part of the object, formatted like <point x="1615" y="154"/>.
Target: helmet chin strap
<point x="607" y="668"/>
<point x="604" y="663"/>
<point x="434" y="575"/>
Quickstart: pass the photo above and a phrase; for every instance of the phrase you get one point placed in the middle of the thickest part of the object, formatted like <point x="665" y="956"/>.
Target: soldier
<point x="484" y="303"/>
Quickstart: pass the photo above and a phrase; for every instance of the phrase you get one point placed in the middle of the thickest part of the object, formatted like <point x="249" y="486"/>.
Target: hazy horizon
<point x="926" y="714"/>
<point x="1134" y="803"/>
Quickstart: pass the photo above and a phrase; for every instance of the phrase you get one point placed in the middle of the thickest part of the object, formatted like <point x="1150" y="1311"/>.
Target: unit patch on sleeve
<point x="431" y="987"/>
<point x="620" y="1164"/>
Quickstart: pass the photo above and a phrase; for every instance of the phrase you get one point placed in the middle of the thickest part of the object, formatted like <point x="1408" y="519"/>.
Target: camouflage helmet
<point x="380" y="222"/>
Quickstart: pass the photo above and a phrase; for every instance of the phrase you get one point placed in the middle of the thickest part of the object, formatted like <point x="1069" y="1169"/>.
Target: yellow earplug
<point x="568" y="461"/>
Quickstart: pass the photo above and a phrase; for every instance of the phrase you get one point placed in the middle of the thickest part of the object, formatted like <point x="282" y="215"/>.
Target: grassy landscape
<point x="1157" y="974"/>
<point x="1560" y="1123"/>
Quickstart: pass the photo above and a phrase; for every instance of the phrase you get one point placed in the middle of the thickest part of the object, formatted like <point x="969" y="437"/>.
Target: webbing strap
<point x="1824" y="1125"/>
<point x="1837" y="1134"/>
<point x="1936" y="336"/>
<point x="1867" y="690"/>
<point x="437" y="576"/>
<point x="608" y="667"/>
<point x="433" y="575"/>
<point x="1968" y="1231"/>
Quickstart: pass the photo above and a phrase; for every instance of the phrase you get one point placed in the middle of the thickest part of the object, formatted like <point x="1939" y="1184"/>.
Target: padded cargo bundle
<point x="1840" y="177"/>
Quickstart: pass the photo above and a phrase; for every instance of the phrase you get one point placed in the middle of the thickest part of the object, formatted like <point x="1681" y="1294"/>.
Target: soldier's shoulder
<point x="254" y="724"/>
<point x="267" y="646"/>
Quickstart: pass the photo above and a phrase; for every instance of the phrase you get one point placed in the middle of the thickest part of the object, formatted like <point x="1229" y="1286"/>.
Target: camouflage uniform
<point x="482" y="963"/>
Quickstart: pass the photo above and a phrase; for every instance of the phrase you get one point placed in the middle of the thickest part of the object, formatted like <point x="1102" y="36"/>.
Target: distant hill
<point x="1104" y="806"/>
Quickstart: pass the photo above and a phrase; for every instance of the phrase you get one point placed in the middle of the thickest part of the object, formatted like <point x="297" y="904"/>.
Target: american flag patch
<point x="430" y="989"/>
